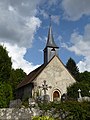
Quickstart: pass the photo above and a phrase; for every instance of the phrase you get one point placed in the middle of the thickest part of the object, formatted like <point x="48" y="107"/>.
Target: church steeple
<point x="51" y="48"/>
<point x="50" y="40"/>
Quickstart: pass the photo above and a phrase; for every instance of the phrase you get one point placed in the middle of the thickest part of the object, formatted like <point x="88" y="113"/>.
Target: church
<point x="51" y="78"/>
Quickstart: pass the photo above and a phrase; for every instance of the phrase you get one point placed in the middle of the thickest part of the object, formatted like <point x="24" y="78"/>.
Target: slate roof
<point x="31" y="76"/>
<point x="50" y="40"/>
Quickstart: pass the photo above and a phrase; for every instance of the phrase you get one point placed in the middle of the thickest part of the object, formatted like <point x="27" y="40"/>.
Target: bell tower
<point x="51" y="48"/>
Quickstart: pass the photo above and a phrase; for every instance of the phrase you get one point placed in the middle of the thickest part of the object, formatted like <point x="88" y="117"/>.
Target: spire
<point x="50" y="40"/>
<point x="51" y="48"/>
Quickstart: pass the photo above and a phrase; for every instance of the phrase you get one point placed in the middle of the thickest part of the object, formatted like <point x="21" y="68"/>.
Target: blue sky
<point x="24" y="27"/>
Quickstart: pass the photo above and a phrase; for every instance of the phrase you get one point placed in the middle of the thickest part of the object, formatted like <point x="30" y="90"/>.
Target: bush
<point x="42" y="118"/>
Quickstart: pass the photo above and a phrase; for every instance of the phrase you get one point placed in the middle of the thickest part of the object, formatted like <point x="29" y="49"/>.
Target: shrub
<point x="42" y="118"/>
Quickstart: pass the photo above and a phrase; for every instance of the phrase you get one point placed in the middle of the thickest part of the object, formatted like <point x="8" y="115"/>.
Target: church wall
<point x="24" y="92"/>
<point x="27" y="91"/>
<point x="56" y="76"/>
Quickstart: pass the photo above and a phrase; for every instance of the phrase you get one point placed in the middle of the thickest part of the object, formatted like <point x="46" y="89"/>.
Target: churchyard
<point x="67" y="110"/>
<point x="42" y="109"/>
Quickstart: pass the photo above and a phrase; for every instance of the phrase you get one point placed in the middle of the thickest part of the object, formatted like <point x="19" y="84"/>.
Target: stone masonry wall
<point x="15" y="114"/>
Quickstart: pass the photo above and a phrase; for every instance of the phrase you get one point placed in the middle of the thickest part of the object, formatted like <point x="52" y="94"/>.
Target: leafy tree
<point x="85" y="77"/>
<point x="5" y="65"/>
<point x="16" y="77"/>
<point x="72" y="68"/>
<point x="72" y="91"/>
<point x="9" y="78"/>
<point x="5" y="94"/>
<point x="5" y="71"/>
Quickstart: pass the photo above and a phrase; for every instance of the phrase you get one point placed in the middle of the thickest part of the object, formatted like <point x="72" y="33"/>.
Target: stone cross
<point x="79" y="91"/>
<point x="45" y="87"/>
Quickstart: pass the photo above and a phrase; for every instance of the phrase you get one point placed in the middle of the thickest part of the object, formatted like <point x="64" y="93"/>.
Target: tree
<point x="16" y="77"/>
<point x="5" y="94"/>
<point x="9" y="78"/>
<point x="85" y="77"/>
<point x="72" y="91"/>
<point x="72" y="68"/>
<point x="5" y="65"/>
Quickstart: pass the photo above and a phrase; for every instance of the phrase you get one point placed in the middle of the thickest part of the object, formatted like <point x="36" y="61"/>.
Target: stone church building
<point x="50" y="78"/>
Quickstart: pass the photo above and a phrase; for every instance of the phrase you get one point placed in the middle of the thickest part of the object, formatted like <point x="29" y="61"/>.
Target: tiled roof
<point x="31" y="76"/>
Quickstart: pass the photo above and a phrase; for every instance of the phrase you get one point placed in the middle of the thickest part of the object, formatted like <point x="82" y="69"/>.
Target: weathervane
<point x="50" y="19"/>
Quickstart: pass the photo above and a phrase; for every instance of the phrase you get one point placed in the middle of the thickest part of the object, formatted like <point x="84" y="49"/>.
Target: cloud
<point x="18" y="23"/>
<point x="80" y="44"/>
<point x="17" y="56"/>
<point x="53" y="2"/>
<point x="75" y="9"/>
<point x="54" y="18"/>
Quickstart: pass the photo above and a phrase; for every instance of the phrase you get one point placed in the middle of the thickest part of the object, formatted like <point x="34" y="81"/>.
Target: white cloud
<point x="18" y="23"/>
<point x="80" y="44"/>
<point x="18" y="26"/>
<point x="46" y="15"/>
<point x="75" y="9"/>
<point x="84" y="65"/>
<point x="17" y="57"/>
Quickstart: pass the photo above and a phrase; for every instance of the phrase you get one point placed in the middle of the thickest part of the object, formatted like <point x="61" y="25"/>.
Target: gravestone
<point x="81" y="99"/>
<point x="15" y="103"/>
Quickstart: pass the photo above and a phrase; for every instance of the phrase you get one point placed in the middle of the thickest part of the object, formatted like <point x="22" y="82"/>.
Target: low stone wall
<point x="15" y="114"/>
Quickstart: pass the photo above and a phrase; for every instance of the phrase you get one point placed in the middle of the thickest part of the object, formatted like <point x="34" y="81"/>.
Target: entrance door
<point x="56" y="95"/>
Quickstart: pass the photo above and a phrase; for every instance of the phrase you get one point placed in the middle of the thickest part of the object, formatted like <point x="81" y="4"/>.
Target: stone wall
<point x="15" y="114"/>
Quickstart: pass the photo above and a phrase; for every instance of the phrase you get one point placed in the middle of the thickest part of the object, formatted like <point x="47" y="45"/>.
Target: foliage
<point x="72" y="68"/>
<point x="5" y="94"/>
<point x="72" y="91"/>
<point x="5" y="65"/>
<point x="43" y="118"/>
<point x="45" y="106"/>
<point x="25" y="102"/>
<point x="5" y="71"/>
<point x="16" y="77"/>
<point x="76" y="110"/>
<point x="84" y="77"/>
<point x="72" y="110"/>
<point x="9" y="78"/>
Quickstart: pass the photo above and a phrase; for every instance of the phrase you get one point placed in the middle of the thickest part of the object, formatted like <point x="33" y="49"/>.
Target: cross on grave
<point x="45" y="87"/>
<point x="79" y="91"/>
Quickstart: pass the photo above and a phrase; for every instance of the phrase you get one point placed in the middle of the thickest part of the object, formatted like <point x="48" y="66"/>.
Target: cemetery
<point x="43" y="109"/>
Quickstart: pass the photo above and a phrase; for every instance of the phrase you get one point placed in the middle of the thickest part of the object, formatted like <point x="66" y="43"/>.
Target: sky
<point x="24" y="28"/>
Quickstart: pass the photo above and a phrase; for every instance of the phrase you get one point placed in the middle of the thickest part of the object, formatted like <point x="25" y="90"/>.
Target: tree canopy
<point x="83" y="81"/>
<point x="84" y="77"/>
<point x="9" y="78"/>
<point x="72" y="68"/>
<point x="72" y="91"/>
<point x="5" y="94"/>
<point x="5" y="65"/>
<point x="16" y="77"/>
